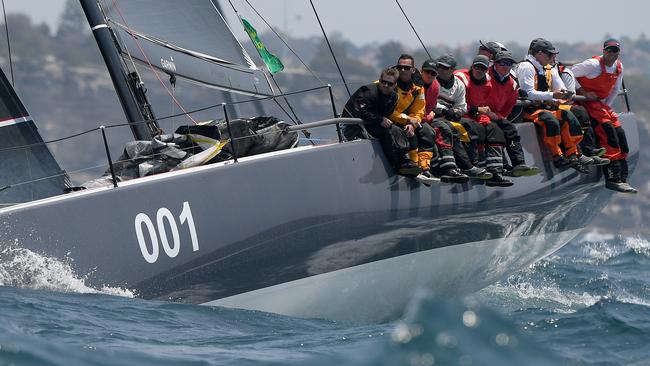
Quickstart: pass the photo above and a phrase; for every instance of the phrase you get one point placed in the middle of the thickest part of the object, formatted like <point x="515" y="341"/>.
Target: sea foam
<point x="23" y="268"/>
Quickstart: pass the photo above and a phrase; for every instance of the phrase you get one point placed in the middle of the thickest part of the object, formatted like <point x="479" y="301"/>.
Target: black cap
<point x="430" y="65"/>
<point x="504" y="55"/>
<point x="493" y="47"/>
<point x="533" y="43"/>
<point x="447" y="61"/>
<point x="540" y="44"/>
<point x="481" y="60"/>
<point x="611" y="42"/>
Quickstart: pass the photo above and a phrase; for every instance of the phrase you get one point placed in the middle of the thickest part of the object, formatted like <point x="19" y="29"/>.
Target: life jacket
<point x="541" y="84"/>
<point x="545" y="83"/>
<point x="504" y="94"/>
<point x="602" y="84"/>
<point x="476" y="95"/>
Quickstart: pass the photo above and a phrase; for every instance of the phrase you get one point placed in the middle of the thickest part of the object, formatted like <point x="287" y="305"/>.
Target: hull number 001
<point x="159" y="236"/>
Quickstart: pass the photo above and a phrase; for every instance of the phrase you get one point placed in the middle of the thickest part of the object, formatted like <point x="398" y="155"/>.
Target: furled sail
<point x="28" y="170"/>
<point x="189" y="39"/>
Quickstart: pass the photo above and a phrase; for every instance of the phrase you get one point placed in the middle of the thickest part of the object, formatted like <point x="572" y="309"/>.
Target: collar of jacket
<point x="447" y="84"/>
<point x="481" y="81"/>
<point x="498" y="77"/>
<point x="538" y="67"/>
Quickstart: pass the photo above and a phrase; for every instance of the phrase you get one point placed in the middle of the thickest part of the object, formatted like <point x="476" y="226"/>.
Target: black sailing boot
<point x="519" y="168"/>
<point x="498" y="180"/>
<point x="613" y="177"/>
<point x="624" y="174"/>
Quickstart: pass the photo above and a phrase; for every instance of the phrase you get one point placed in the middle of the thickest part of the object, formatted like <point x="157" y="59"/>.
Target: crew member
<point x="588" y="145"/>
<point x="600" y="79"/>
<point x="502" y="101"/>
<point x="373" y="103"/>
<point x="452" y="106"/>
<point x="490" y="139"/>
<point x="540" y="81"/>
<point x="408" y="114"/>
<point x="444" y="165"/>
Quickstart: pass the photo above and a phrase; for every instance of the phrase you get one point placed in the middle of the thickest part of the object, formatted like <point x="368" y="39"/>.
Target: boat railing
<point x="85" y="172"/>
<point x="298" y="127"/>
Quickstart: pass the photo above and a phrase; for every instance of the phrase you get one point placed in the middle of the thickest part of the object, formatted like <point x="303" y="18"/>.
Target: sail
<point x="189" y="39"/>
<point x="28" y="170"/>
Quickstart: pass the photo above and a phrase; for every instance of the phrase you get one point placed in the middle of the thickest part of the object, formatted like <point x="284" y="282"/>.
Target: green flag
<point x="272" y="62"/>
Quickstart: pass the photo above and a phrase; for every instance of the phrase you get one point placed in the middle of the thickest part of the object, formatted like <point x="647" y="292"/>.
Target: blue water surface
<point x="588" y="304"/>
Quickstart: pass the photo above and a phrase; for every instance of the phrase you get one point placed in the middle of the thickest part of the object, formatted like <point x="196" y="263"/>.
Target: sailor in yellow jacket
<point x="408" y="114"/>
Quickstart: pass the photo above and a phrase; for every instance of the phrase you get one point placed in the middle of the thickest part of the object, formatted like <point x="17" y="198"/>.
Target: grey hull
<point x="269" y="231"/>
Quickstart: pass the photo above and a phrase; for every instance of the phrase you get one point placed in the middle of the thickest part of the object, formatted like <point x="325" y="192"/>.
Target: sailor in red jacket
<point x="490" y="141"/>
<point x="501" y="102"/>
<point x="600" y="79"/>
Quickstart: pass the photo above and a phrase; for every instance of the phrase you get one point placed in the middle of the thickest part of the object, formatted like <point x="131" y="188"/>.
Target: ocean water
<point x="588" y="304"/>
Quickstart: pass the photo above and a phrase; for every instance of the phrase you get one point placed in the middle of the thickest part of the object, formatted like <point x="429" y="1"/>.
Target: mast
<point x="129" y="90"/>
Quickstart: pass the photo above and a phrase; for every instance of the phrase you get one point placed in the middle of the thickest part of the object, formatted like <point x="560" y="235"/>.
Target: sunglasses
<point x="386" y="82"/>
<point x="403" y="67"/>
<point x="613" y="49"/>
<point x="479" y="67"/>
<point x="504" y="63"/>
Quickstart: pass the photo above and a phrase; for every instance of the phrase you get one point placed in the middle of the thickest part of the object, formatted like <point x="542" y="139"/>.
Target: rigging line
<point x="11" y="63"/>
<point x="220" y="105"/>
<point x="137" y="42"/>
<point x="297" y="121"/>
<point x="285" y="43"/>
<point x="412" y="27"/>
<point x="330" y="47"/>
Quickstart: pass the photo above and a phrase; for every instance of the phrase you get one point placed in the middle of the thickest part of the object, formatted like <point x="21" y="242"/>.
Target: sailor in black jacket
<point x="373" y="103"/>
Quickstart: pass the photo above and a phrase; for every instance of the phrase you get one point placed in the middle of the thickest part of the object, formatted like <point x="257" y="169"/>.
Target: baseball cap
<point x="430" y="65"/>
<point x="543" y="45"/>
<point x="481" y="60"/>
<point x="446" y="61"/>
<point x="492" y="46"/>
<point x="611" y="42"/>
<point x="504" y="55"/>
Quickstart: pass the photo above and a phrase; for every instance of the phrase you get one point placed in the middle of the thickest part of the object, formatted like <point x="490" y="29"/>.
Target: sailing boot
<point x="613" y="181"/>
<point x="424" y="160"/>
<point x="409" y="169"/>
<point x="453" y="175"/>
<point x="624" y="174"/>
<point x="579" y="163"/>
<point x="560" y="162"/>
<point x="426" y="178"/>
<point x="498" y="180"/>
<point x="522" y="170"/>
<point x="478" y="173"/>
<point x="519" y="168"/>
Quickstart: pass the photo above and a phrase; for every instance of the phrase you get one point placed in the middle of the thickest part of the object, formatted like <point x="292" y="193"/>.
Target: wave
<point x="600" y="248"/>
<point x="579" y="276"/>
<point x="23" y="268"/>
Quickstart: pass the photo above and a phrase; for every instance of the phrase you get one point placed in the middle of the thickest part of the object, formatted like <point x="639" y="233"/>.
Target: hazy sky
<point x="365" y="21"/>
